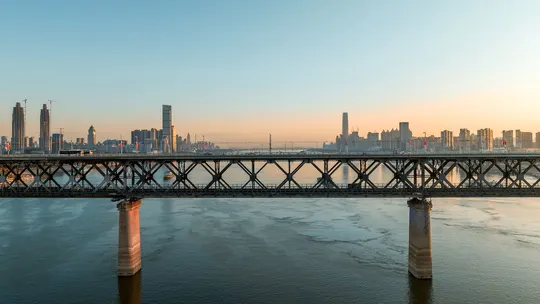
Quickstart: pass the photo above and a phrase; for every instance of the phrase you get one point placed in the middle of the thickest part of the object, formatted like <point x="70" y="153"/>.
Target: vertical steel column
<point x="289" y="173"/>
<point x="252" y="174"/>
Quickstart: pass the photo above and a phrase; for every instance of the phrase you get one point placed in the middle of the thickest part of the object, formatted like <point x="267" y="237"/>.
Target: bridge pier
<point x="420" y="262"/>
<point x="129" y="237"/>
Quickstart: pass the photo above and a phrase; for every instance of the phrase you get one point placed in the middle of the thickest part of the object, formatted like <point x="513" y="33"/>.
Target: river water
<point x="269" y="251"/>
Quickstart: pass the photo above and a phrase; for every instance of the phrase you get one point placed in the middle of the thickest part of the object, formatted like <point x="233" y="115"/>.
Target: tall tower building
<point x="92" y="141"/>
<point x="519" y="139"/>
<point x="17" y="128"/>
<point x="57" y="142"/>
<point x="345" y="125"/>
<point x="405" y="136"/>
<point x="45" y="130"/>
<point x="526" y="140"/>
<point x="447" y="140"/>
<point x="166" y="123"/>
<point x="464" y="140"/>
<point x="508" y="138"/>
<point x="485" y="139"/>
<point x="345" y="130"/>
<point x="173" y="139"/>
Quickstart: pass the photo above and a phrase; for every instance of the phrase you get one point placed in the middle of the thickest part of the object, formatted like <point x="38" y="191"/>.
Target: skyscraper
<point x="345" y="125"/>
<point x="45" y="130"/>
<point x="447" y="140"/>
<point x="92" y="137"/>
<point x="173" y="139"/>
<point x="165" y="146"/>
<point x="464" y="140"/>
<point x="404" y="136"/>
<point x="538" y="140"/>
<point x="526" y="140"/>
<point x="485" y="139"/>
<point x="17" y="128"/>
<point x="166" y="123"/>
<point x="57" y="142"/>
<point x="519" y="144"/>
<point x="344" y="130"/>
<point x="508" y="138"/>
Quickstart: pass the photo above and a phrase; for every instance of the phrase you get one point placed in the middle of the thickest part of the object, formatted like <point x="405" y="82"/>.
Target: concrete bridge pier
<point x="420" y="263"/>
<point x="129" y="237"/>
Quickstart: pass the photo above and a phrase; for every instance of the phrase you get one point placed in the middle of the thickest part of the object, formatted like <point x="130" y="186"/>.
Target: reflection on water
<point x="420" y="291"/>
<point x="345" y="171"/>
<point x="129" y="289"/>
<point x="270" y="251"/>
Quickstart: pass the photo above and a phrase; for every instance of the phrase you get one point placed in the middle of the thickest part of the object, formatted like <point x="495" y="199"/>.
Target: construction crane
<point x="25" y="111"/>
<point x="61" y="130"/>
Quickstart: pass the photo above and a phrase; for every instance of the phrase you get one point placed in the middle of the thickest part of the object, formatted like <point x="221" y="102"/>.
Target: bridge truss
<point x="128" y="176"/>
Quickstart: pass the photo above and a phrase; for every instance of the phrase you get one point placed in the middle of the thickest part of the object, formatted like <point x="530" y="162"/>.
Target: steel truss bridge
<point x="138" y="176"/>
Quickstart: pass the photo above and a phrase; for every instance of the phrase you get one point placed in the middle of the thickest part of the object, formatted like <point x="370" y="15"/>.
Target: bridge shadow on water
<point x="420" y="291"/>
<point x="129" y="289"/>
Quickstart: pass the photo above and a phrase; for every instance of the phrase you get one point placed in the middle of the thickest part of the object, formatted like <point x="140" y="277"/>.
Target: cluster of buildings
<point x="20" y="143"/>
<point x="163" y="140"/>
<point x="166" y="140"/>
<point x="402" y="140"/>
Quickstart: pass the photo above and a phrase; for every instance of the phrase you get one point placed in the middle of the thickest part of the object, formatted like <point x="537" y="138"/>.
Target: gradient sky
<point x="243" y="69"/>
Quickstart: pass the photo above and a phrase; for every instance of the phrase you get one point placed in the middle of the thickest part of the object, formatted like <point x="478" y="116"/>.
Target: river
<point x="269" y="251"/>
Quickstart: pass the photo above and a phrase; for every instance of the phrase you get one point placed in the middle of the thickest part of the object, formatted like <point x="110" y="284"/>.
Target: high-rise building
<point x="526" y="140"/>
<point x="538" y="140"/>
<point x="390" y="140"/>
<point x="173" y="139"/>
<point x="485" y="139"/>
<point x="345" y="125"/>
<point x="179" y="143"/>
<point x="17" y="128"/>
<point x="464" y="140"/>
<point x="32" y="142"/>
<point x="519" y="144"/>
<point x="405" y="136"/>
<point x="57" y="142"/>
<point x="45" y="130"/>
<point x="373" y="138"/>
<point x="79" y="141"/>
<point x="166" y="124"/>
<point x="92" y="140"/>
<point x="447" y="140"/>
<point x="508" y="138"/>
<point x="137" y="137"/>
<point x="165" y="145"/>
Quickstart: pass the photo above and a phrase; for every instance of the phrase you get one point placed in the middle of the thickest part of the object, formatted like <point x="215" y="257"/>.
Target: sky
<point x="238" y="70"/>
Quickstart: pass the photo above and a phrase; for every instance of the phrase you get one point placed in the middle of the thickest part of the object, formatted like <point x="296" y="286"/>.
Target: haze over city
<point x="287" y="68"/>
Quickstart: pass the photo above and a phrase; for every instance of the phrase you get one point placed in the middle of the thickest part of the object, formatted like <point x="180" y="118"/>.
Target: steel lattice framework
<point x="127" y="176"/>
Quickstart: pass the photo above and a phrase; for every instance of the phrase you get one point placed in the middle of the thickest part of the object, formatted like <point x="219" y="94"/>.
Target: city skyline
<point x="280" y="71"/>
<point x="261" y="136"/>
